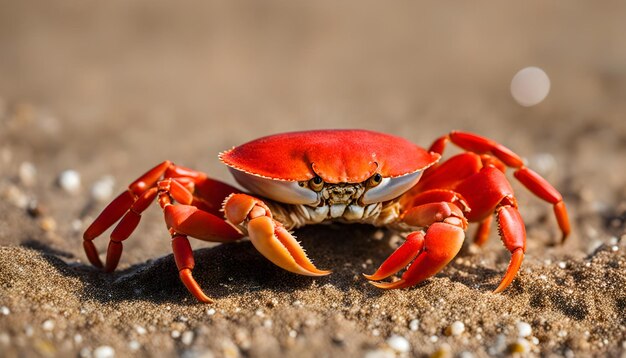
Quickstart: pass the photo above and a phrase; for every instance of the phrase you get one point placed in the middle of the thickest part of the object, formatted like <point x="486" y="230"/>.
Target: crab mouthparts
<point x="342" y="194"/>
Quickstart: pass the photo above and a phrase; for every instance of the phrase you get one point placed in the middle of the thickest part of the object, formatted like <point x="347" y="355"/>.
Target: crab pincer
<point x="268" y="236"/>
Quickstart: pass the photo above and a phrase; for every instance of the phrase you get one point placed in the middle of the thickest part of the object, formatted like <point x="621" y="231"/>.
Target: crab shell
<point x="276" y="166"/>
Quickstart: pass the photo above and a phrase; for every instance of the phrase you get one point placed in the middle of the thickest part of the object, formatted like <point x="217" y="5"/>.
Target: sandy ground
<point x="110" y="89"/>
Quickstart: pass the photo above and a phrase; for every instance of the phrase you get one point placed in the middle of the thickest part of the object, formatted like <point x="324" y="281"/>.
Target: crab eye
<point x="316" y="183"/>
<point x="390" y="188"/>
<point x="374" y="180"/>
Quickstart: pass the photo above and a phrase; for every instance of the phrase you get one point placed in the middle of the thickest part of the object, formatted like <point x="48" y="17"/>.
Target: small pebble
<point x="562" y="264"/>
<point x="69" y="181"/>
<point x="48" y="325"/>
<point x="210" y="311"/>
<point x="102" y="190"/>
<point x="399" y="344"/>
<point x="27" y="173"/>
<point x="443" y="352"/>
<point x="16" y="197"/>
<point x="376" y="332"/>
<point x="455" y="329"/>
<point x="5" y="311"/>
<point x="78" y="339"/>
<point x="268" y="323"/>
<point x="175" y="334"/>
<point x="293" y="334"/>
<point x="29" y="330"/>
<point x="140" y="330"/>
<point x="187" y="337"/>
<point x="414" y="325"/>
<point x="520" y="346"/>
<point x="434" y="339"/>
<point x="48" y="224"/>
<point x="134" y="345"/>
<point x="104" y="352"/>
<point x="523" y="329"/>
<point x="530" y="86"/>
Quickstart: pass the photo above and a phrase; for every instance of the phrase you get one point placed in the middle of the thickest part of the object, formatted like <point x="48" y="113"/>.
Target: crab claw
<point x="274" y="242"/>
<point x="400" y="258"/>
<point x="440" y="244"/>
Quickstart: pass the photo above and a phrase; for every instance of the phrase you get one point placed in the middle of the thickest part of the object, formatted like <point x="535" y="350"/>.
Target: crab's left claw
<point x="275" y="243"/>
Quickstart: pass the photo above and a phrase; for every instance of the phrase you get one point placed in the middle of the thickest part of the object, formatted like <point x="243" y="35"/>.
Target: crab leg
<point x="178" y="183"/>
<point x="183" y="255"/>
<point x="483" y="231"/>
<point x="531" y="180"/>
<point x="269" y="236"/>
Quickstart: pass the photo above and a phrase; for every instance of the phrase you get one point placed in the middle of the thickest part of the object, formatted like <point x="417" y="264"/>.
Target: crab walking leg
<point x="269" y="236"/>
<point x="489" y="191"/>
<point x="120" y="205"/>
<point x="127" y="225"/>
<point x="183" y="255"/>
<point x="169" y="181"/>
<point x="531" y="180"/>
<point x="482" y="233"/>
<point x="431" y="252"/>
<point x="513" y="235"/>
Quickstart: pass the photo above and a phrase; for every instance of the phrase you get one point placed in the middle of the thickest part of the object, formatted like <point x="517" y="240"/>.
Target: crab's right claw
<point x="274" y="242"/>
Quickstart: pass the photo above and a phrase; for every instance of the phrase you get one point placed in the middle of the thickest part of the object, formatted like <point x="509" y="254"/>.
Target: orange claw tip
<point x="192" y="286"/>
<point x="375" y="276"/>
<point x="389" y="285"/>
<point x="516" y="261"/>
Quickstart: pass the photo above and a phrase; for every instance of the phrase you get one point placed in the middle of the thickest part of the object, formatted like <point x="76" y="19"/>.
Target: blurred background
<point x="93" y="93"/>
<point x="112" y="88"/>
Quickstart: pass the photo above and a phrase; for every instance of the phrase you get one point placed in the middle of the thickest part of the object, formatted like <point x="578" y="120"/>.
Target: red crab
<point x="300" y="178"/>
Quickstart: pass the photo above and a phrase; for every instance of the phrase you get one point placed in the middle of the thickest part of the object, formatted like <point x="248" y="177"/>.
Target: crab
<point x="349" y="176"/>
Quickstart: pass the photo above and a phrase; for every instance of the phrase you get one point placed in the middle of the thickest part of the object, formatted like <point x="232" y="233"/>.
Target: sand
<point x="185" y="82"/>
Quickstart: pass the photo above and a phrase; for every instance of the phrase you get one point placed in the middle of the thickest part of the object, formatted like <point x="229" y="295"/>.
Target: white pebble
<point x="78" y="339"/>
<point x="293" y="334"/>
<point x="187" y="337"/>
<point x="140" y="330"/>
<point x="455" y="329"/>
<point x="175" y="333"/>
<point x="102" y="190"/>
<point x="104" y="352"/>
<point x="28" y="173"/>
<point x="69" y="181"/>
<point x="562" y="264"/>
<point x="414" y="325"/>
<point x="134" y="345"/>
<point x="523" y="329"/>
<point x="48" y="325"/>
<point x="530" y="86"/>
<point x="5" y="310"/>
<point x="210" y="311"/>
<point x="399" y="344"/>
